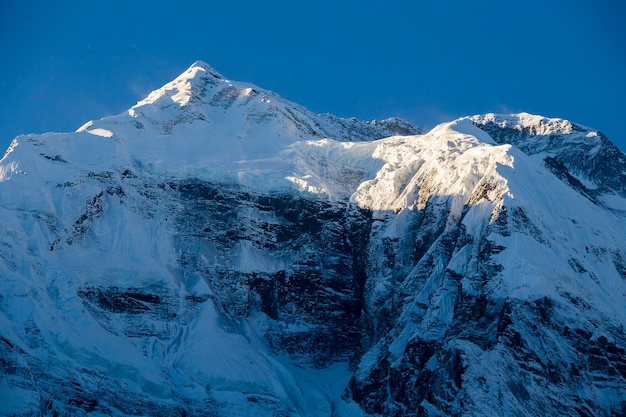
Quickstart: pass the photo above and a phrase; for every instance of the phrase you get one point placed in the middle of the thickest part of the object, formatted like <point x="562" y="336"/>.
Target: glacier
<point x="218" y="250"/>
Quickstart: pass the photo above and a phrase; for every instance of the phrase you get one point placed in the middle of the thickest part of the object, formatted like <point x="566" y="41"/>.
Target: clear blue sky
<point x="66" y="62"/>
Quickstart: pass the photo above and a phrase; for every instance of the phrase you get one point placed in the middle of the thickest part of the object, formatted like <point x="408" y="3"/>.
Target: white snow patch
<point x="101" y="132"/>
<point x="86" y="126"/>
<point x="7" y="170"/>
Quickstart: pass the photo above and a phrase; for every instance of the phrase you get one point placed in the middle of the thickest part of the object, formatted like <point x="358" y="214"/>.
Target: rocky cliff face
<point x="505" y="319"/>
<point x="583" y="158"/>
<point x="220" y="251"/>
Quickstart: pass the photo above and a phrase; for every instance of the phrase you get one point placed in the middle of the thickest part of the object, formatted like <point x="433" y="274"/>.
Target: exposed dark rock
<point x="318" y="292"/>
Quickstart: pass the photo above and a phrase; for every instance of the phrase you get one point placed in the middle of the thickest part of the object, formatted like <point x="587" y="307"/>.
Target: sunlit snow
<point x="205" y="127"/>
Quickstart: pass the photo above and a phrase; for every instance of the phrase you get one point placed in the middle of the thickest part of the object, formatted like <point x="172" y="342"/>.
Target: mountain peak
<point x="535" y="124"/>
<point x="202" y="124"/>
<point x="214" y="247"/>
<point x="580" y="156"/>
<point x="192" y="82"/>
<point x="203" y="66"/>
<point x="202" y="100"/>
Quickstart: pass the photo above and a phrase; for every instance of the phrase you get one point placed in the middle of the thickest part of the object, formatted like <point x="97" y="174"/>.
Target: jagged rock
<point x="218" y="250"/>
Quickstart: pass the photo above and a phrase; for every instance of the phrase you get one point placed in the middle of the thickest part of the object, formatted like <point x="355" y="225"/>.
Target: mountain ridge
<point x="216" y="251"/>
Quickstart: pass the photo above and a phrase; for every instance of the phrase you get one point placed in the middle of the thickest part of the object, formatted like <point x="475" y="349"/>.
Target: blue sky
<point x="67" y="62"/>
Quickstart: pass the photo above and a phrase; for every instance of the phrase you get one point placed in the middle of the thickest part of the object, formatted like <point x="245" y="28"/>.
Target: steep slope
<point x="140" y="276"/>
<point x="205" y="122"/>
<point x="200" y="125"/>
<point x="581" y="157"/>
<point x="217" y="250"/>
<point x="501" y="290"/>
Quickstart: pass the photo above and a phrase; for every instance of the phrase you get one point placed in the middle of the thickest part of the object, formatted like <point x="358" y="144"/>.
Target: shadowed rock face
<point x="436" y="340"/>
<point x="323" y="282"/>
<point x="136" y="278"/>
<point x="315" y="274"/>
<point x="299" y="264"/>
<point x="487" y="353"/>
<point x="310" y="267"/>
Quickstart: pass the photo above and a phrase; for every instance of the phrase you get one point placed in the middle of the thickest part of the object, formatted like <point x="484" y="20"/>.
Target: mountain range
<point x="217" y="250"/>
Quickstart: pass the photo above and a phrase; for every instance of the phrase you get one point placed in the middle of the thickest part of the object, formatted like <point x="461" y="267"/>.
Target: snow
<point x="613" y="201"/>
<point x="179" y="90"/>
<point x="233" y="135"/>
<point x="16" y="400"/>
<point x="539" y="124"/>
<point x="8" y="170"/>
<point x="101" y="132"/>
<point x="413" y="165"/>
<point x="239" y="134"/>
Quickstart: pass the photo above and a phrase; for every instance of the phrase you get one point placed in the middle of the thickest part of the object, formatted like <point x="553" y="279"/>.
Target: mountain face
<point x="220" y="251"/>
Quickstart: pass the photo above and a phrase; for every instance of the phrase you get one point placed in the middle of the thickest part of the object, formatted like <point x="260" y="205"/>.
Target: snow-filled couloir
<point x="218" y="250"/>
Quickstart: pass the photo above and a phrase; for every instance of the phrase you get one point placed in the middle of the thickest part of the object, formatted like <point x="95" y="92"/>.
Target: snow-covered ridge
<point x="202" y="95"/>
<point x="580" y="156"/>
<point x="385" y="174"/>
<point x="538" y="125"/>
<point x="202" y="125"/>
<point x="181" y="89"/>
<point x="413" y="170"/>
<point x="218" y="250"/>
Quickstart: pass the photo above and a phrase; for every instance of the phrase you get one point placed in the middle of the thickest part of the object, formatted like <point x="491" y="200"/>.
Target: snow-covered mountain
<point x="218" y="250"/>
